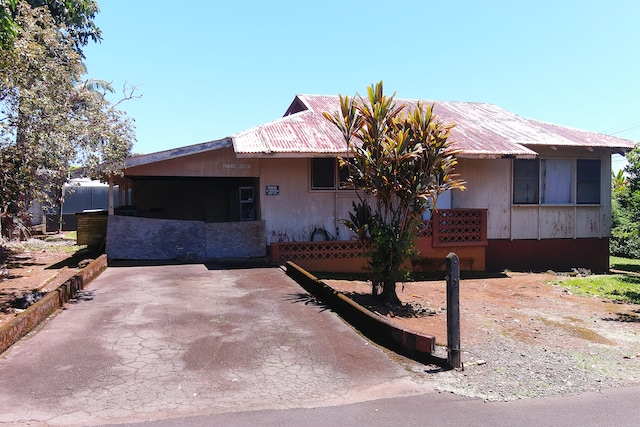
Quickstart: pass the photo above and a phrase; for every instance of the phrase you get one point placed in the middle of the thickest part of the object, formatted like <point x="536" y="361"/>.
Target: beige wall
<point x="215" y="163"/>
<point x="489" y="187"/>
<point x="297" y="211"/>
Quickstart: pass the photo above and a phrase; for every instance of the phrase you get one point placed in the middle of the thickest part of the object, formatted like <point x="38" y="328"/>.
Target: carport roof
<point x="482" y="131"/>
<point x="177" y="152"/>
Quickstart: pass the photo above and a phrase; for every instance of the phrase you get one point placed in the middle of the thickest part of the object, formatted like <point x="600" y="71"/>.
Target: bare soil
<point x="36" y="265"/>
<point x="524" y="306"/>
<point x="520" y="336"/>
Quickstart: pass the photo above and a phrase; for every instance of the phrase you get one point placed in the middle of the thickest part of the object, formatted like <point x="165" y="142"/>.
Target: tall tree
<point x="625" y="208"/>
<point x="49" y="120"/>
<point x="76" y="17"/>
<point x="400" y="161"/>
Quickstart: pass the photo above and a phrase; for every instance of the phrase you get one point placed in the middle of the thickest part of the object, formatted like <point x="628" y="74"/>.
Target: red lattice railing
<point x="459" y="227"/>
<point x="303" y="251"/>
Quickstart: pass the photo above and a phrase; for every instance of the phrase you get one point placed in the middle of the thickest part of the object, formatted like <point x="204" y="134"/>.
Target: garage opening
<point x="194" y="199"/>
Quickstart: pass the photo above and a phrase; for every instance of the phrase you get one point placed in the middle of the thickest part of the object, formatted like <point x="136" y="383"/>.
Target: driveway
<point x="150" y="343"/>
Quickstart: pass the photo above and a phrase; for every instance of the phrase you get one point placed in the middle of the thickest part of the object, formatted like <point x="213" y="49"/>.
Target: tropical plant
<point x="625" y="208"/>
<point x="400" y="160"/>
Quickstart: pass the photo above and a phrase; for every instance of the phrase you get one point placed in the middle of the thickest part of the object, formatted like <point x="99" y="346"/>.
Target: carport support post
<point x="453" y="311"/>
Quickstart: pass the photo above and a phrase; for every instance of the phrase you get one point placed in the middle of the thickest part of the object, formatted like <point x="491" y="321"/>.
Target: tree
<point x="400" y="161"/>
<point x="50" y="119"/>
<point x="75" y="16"/>
<point x="625" y="208"/>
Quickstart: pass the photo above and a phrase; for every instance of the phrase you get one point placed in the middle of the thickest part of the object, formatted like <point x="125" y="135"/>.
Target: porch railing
<point x="459" y="227"/>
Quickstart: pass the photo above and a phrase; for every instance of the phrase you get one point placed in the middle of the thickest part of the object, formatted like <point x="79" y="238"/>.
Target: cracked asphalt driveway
<point x="159" y="342"/>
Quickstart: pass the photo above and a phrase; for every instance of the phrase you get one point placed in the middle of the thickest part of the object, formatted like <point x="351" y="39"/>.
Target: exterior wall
<point x="554" y="254"/>
<point x="162" y="239"/>
<point x="215" y="163"/>
<point x="489" y="185"/>
<point x="296" y="211"/>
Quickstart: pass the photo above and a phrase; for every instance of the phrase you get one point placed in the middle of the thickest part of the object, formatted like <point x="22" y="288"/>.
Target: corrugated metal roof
<point x="482" y="131"/>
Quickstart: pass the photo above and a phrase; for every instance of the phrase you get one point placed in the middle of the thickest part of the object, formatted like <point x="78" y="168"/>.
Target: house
<point x="538" y="195"/>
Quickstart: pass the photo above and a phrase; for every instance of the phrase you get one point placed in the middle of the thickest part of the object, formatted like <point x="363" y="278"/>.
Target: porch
<point x="463" y="231"/>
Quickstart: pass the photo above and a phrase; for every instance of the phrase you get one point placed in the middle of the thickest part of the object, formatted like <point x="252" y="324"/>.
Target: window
<point x="588" y="181"/>
<point x="556" y="181"/>
<point x="525" y="181"/>
<point x="556" y="176"/>
<point x="325" y="172"/>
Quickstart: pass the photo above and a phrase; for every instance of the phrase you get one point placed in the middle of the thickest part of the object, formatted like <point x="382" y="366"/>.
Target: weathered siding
<point x="293" y="214"/>
<point x="489" y="184"/>
<point x="488" y="187"/>
<point x="215" y="163"/>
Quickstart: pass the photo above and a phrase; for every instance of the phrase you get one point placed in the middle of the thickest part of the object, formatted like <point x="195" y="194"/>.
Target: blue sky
<point x="208" y="69"/>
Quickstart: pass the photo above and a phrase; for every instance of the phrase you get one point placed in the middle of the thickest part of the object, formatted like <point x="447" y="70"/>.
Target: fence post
<point x="453" y="311"/>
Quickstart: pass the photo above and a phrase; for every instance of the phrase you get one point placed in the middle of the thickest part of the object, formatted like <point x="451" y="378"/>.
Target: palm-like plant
<point x="400" y="162"/>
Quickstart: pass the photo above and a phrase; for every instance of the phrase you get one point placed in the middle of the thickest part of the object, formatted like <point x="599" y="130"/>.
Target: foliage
<point x="75" y="17"/>
<point x="50" y="119"/>
<point x="400" y="161"/>
<point x="625" y="208"/>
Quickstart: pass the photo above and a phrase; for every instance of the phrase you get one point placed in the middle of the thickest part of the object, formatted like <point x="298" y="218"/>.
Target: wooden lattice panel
<point x="299" y="251"/>
<point x="459" y="227"/>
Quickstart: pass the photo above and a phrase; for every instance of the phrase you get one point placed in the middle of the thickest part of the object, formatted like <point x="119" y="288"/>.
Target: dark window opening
<point x="526" y="175"/>
<point x="588" y="182"/>
<point x="323" y="173"/>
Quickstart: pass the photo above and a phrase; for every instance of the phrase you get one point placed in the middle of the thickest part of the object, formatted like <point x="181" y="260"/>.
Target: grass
<point x="623" y="286"/>
<point x="63" y="242"/>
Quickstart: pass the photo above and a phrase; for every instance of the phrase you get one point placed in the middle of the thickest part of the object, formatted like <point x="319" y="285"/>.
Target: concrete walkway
<point x="152" y="343"/>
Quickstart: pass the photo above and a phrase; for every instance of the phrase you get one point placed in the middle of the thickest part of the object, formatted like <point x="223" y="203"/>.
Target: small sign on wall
<point x="272" y="190"/>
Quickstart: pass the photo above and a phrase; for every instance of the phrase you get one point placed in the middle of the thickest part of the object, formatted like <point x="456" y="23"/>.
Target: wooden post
<point x="111" y="209"/>
<point x="453" y="311"/>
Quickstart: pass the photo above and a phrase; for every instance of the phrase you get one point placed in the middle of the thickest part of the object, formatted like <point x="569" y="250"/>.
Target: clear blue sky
<point x="208" y="69"/>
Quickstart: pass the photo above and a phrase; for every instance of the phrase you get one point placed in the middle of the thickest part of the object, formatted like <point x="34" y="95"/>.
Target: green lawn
<point x="624" y="286"/>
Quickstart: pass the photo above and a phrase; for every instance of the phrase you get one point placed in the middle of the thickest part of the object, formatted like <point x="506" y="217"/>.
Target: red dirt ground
<point x="520" y="305"/>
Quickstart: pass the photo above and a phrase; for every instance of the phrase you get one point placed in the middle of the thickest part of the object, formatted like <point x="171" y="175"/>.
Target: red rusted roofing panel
<point x="482" y="130"/>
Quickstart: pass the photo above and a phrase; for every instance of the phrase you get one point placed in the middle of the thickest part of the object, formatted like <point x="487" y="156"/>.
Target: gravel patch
<point x="504" y="369"/>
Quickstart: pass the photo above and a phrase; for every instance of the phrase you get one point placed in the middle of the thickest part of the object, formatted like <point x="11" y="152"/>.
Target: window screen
<point x="588" y="181"/>
<point x="525" y="181"/>
<point x="323" y="173"/>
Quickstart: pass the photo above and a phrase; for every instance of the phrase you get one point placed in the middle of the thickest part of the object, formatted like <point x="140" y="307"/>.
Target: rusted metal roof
<point x="481" y="131"/>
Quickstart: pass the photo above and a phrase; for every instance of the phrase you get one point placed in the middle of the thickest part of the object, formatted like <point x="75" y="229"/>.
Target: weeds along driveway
<point x="156" y="342"/>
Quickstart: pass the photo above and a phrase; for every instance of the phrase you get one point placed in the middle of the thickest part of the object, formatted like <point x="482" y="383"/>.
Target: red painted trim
<point x="548" y="254"/>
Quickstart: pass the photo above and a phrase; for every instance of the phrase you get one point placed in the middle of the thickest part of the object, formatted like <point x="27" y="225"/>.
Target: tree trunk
<point x="389" y="292"/>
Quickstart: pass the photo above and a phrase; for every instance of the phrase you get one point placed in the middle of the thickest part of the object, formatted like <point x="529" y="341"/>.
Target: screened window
<point x="326" y="172"/>
<point x="323" y="173"/>
<point x="588" y="181"/>
<point x="525" y="181"/>
<point x="556" y="181"/>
